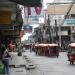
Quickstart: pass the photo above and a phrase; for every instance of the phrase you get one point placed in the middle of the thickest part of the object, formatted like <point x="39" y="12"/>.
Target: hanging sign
<point x="70" y="21"/>
<point x="38" y="10"/>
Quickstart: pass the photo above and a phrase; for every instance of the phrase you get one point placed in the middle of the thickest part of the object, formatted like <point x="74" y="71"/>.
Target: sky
<point x="45" y="3"/>
<point x="25" y="37"/>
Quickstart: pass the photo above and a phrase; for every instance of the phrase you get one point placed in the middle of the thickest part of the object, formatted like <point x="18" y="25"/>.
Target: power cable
<point x="68" y="11"/>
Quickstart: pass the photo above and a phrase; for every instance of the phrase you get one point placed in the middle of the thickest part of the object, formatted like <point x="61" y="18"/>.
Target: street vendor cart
<point x="47" y="49"/>
<point x="54" y="49"/>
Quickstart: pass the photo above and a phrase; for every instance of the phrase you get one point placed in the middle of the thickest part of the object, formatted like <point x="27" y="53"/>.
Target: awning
<point x="57" y="9"/>
<point x="28" y="3"/>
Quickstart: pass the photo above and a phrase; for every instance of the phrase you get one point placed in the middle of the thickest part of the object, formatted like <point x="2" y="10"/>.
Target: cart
<point x="47" y="49"/>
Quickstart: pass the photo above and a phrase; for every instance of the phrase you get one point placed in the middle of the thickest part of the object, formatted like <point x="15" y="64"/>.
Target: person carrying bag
<point x="5" y="61"/>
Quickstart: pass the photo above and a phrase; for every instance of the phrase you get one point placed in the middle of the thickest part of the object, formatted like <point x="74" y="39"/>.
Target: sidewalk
<point x="22" y="65"/>
<point x="16" y="60"/>
<point x="17" y="64"/>
<point x="51" y="66"/>
<point x="43" y="65"/>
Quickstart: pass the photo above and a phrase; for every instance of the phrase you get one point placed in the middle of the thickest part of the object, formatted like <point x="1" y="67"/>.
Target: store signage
<point x="70" y="21"/>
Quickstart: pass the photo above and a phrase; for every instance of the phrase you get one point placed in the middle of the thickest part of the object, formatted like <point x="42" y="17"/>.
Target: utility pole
<point x="56" y="29"/>
<point x="49" y="29"/>
<point x="59" y="33"/>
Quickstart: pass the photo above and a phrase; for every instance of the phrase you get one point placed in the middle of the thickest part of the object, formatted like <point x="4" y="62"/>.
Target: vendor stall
<point x="47" y="49"/>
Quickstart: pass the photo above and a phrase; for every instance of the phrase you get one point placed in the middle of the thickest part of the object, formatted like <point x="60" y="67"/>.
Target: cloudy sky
<point x="45" y="3"/>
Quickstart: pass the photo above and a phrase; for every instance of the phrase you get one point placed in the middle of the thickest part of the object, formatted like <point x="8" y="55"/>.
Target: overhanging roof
<point x="57" y="9"/>
<point x="29" y="3"/>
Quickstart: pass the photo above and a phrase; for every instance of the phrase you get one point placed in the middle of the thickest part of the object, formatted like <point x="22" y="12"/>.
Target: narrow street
<point x="51" y="66"/>
<point x="37" y="37"/>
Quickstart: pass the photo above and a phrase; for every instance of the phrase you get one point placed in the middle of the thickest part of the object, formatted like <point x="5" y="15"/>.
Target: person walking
<point x="5" y="59"/>
<point x="31" y="46"/>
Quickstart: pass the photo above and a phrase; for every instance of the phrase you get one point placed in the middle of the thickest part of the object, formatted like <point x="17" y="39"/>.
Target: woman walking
<point x="5" y="59"/>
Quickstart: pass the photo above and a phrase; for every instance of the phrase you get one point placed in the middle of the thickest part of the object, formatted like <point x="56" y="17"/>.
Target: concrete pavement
<point x="17" y="64"/>
<point x="43" y="65"/>
<point x="51" y="66"/>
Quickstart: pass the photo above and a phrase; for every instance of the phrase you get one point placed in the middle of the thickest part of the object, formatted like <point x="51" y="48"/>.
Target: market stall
<point x="47" y="49"/>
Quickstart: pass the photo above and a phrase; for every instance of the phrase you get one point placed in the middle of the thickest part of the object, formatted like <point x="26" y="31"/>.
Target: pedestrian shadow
<point x="71" y="65"/>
